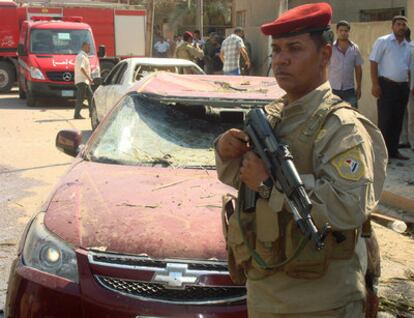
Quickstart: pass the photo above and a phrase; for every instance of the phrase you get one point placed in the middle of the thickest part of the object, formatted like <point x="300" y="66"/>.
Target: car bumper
<point x="32" y="293"/>
<point x="47" y="89"/>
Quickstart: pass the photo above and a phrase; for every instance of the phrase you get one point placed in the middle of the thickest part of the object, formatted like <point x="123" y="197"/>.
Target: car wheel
<point x="7" y="77"/>
<point x="94" y="115"/>
<point x="30" y="100"/>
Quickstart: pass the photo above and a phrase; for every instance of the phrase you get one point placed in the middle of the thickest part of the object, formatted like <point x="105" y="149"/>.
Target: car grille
<point x="199" y="282"/>
<point x="60" y="76"/>
<point x="189" y="295"/>
<point x="131" y="261"/>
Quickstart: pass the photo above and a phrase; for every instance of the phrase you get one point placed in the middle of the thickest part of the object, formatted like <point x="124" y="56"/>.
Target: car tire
<point x="30" y="100"/>
<point x="22" y="93"/>
<point x="7" y="77"/>
<point x="94" y="115"/>
<point x="106" y="67"/>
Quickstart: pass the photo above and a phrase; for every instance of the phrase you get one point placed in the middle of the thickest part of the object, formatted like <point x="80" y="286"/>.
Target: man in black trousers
<point x="390" y="64"/>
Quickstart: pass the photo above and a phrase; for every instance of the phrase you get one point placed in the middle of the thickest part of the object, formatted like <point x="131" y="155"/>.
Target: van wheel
<point x="30" y="100"/>
<point x="7" y="77"/>
<point x="94" y="115"/>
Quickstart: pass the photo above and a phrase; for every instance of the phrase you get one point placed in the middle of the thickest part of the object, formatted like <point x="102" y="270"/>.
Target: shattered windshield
<point x="146" y="132"/>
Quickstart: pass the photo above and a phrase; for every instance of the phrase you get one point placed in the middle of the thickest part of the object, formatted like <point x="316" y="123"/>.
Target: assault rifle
<point x="279" y="164"/>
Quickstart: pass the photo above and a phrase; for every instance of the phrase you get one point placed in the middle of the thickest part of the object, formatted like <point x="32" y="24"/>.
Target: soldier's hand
<point x="233" y="144"/>
<point x="376" y="91"/>
<point x="253" y="171"/>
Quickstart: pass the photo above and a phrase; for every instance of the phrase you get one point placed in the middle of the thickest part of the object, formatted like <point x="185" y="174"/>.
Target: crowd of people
<point x="215" y="54"/>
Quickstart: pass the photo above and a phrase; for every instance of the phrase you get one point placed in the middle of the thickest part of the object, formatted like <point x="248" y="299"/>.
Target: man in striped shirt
<point x="231" y="48"/>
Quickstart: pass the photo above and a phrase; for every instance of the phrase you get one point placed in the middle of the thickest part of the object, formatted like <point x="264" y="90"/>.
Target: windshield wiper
<point x="203" y="167"/>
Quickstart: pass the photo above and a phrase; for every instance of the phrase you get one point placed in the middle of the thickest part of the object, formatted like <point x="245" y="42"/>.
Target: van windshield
<point x="59" y="41"/>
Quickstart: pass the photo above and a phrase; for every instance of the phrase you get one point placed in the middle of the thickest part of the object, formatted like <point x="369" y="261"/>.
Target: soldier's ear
<point x="326" y="53"/>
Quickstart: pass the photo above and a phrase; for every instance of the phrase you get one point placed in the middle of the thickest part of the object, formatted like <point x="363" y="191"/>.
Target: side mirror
<point x="21" y="50"/>
<point x="68" y="141"/>
<point x="101" y="51"/>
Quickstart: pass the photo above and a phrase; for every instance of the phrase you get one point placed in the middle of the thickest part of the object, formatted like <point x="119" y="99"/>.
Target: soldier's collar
<point x="308" y="103"/>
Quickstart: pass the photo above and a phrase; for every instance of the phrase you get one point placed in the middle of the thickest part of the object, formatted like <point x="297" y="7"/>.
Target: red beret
<point x="188" y="33"/>
<point x="301" y="19"/>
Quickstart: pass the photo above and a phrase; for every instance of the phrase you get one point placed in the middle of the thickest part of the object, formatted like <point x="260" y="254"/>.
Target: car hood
<point x="159" y="212"/>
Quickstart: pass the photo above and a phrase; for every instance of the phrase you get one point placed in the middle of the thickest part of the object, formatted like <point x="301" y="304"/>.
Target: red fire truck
<point x="119" y="28"/>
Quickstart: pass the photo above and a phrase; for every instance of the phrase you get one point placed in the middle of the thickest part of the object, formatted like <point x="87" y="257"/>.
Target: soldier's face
<point x="298" y="63"/>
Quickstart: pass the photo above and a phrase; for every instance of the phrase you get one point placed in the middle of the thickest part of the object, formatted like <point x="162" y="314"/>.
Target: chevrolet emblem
<point x="175" y="276"/>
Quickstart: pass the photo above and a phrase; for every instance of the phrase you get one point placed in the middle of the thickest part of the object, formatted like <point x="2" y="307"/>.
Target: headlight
<point x="46" y="252"/>
<point x="96" y="72"/>
<point x="36" y="73"/>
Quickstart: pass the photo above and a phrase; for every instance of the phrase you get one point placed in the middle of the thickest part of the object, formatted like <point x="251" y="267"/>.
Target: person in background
<point x="346" y="59"/>
<point x="407" y="132"/>
<point x="230" y="51"/>
<point x="210" y="52"/>
<point x="243" y="67"/>
<point x="198" y="41"/>
<point x="189" y="50"/>
<point x="390" y="64"/>
<point x="83" y="80"/>
<point x="162" y="47"/>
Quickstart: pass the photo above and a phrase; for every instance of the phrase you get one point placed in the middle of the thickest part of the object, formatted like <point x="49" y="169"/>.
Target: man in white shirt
<point x="83" y="80"/>
<point x="390" y="64"/>
<point x="345" y="59"/>
<point x="407" y="133"/>
<point x="162" y="47"/>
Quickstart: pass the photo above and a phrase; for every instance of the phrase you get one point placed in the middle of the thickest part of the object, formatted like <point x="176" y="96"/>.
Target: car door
<point x="103" y="91"/>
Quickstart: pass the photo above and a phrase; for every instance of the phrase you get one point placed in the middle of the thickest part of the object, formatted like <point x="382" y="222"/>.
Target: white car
<point x="120" y="79"/>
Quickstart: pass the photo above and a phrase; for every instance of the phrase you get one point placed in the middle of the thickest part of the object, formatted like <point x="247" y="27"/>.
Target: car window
<point x="110" y="78"/>
<point x="143" y="70"/>
<point x="146" y="132"/>
<point x="120" y="74"/>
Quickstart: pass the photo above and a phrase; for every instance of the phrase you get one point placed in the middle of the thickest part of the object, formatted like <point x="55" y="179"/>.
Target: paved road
<point x="29" y="166"/>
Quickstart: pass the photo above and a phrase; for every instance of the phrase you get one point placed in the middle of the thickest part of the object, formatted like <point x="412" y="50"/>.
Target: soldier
<point x="189" y="50"/>
<point x="341" y="157"/>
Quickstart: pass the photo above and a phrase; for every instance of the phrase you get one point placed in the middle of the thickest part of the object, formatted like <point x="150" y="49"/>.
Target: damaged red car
<point x="134" y="229"/>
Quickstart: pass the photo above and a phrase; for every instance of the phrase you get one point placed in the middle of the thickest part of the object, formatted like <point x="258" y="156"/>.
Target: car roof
<point x="214" y="89"/>
<point x="159" y="61"/>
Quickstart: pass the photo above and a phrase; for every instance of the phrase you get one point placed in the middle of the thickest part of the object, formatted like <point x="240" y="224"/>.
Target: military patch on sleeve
<point x="349" y="164"/>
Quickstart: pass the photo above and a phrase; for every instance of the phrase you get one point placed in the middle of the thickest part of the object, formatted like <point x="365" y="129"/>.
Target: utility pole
<point x="199" y="16"/>
<point x="150" y="28"/>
